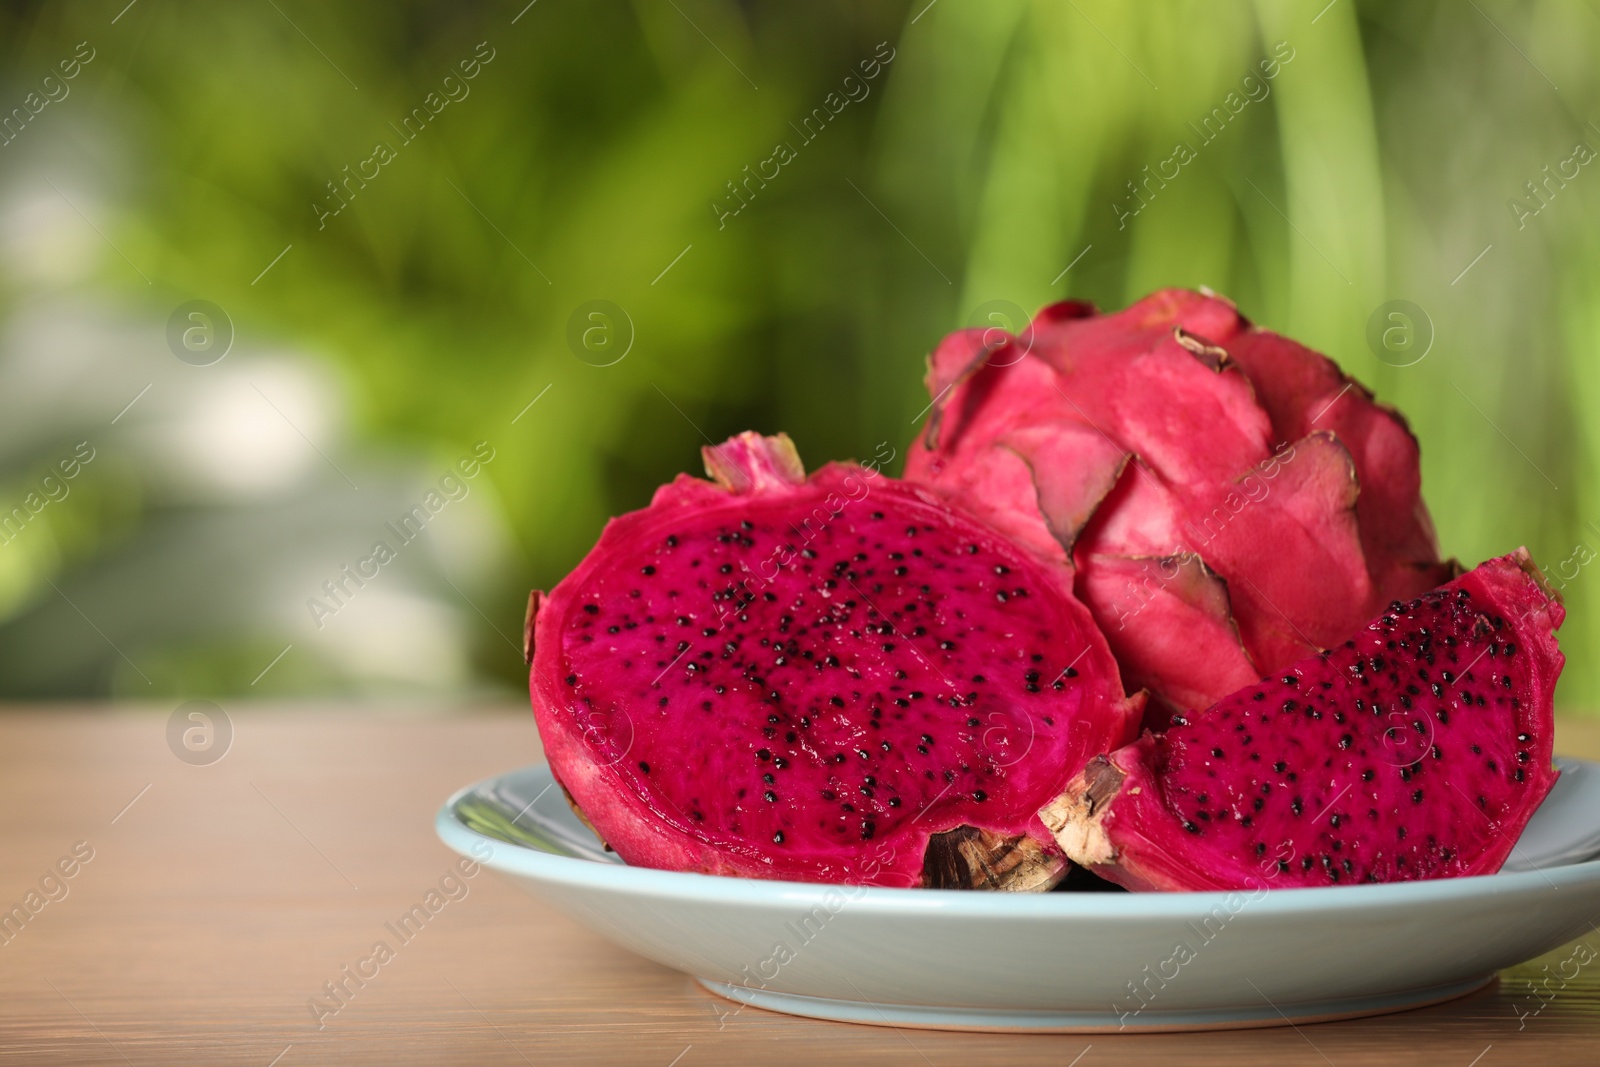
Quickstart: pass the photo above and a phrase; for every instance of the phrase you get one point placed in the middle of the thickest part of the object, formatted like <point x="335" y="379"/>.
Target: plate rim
<point x="525" y="861"/>
<point x="1030" y="1021"/>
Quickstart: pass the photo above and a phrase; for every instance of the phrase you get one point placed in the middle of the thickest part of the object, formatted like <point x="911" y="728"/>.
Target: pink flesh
<point x="897" y="669"/>
<point x="1373" y="764"/>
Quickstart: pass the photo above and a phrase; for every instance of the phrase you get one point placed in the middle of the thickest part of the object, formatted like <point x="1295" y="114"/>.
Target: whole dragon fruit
<point x="1231" y="500"/>
<point x="839" y="678"/>
<point x="1417" y="749"/>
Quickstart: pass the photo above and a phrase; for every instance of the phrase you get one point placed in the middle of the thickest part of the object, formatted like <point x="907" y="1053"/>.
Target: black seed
<point x="645" y="767"/>
<point x="647" y="570"/>
<point x="591" y="609"/>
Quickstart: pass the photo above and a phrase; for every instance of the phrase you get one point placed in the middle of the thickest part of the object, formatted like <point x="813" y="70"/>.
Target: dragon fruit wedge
<point x="839" y="678"/>
<point x="1230" y="499"/>
<point x="1417" y="749"/>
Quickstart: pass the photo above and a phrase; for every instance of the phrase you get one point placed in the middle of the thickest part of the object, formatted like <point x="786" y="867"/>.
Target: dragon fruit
<point x="1231" y="501"/>
<point x="839" y="678"/>
<point x="1417" y="749"/>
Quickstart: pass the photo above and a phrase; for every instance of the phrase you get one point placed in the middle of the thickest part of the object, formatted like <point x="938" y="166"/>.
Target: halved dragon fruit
<point x="839" y="678"/>
<point x="1418" y="749"/>
<point x="1230" y="499"/>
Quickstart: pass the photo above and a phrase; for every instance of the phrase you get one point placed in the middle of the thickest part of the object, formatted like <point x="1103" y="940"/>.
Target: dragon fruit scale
<point x="837" y="678"/>
<point x="1229" y="499"/>
<point x="1417" y="749"/>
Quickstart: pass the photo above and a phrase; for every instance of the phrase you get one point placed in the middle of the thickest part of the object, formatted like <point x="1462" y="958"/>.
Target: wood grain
<point x="219" y="903"/>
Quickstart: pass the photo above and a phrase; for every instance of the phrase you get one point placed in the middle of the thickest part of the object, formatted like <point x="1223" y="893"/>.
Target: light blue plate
<point x="1058" y="961"/>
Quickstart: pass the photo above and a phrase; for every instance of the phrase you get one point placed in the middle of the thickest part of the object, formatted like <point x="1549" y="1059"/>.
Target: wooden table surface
<point x="218" y="900"/>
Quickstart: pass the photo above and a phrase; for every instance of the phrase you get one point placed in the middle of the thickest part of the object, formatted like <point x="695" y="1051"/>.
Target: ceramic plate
<point x="1056" y="961"/>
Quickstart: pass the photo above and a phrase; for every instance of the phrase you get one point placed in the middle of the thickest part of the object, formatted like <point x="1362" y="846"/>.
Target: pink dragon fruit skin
<point x="837" y="678"/>
<point x="1417" y="749"/>
<point x="1230" y="500"/>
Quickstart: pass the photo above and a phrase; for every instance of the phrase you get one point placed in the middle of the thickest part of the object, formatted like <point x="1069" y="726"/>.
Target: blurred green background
<point x="387" y="318"/>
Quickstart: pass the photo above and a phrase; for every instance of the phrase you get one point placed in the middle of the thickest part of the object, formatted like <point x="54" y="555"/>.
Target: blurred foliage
<point x="587" y="160"/>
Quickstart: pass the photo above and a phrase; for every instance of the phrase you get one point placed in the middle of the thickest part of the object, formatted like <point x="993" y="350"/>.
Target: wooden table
<point x="219" y="899"/>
